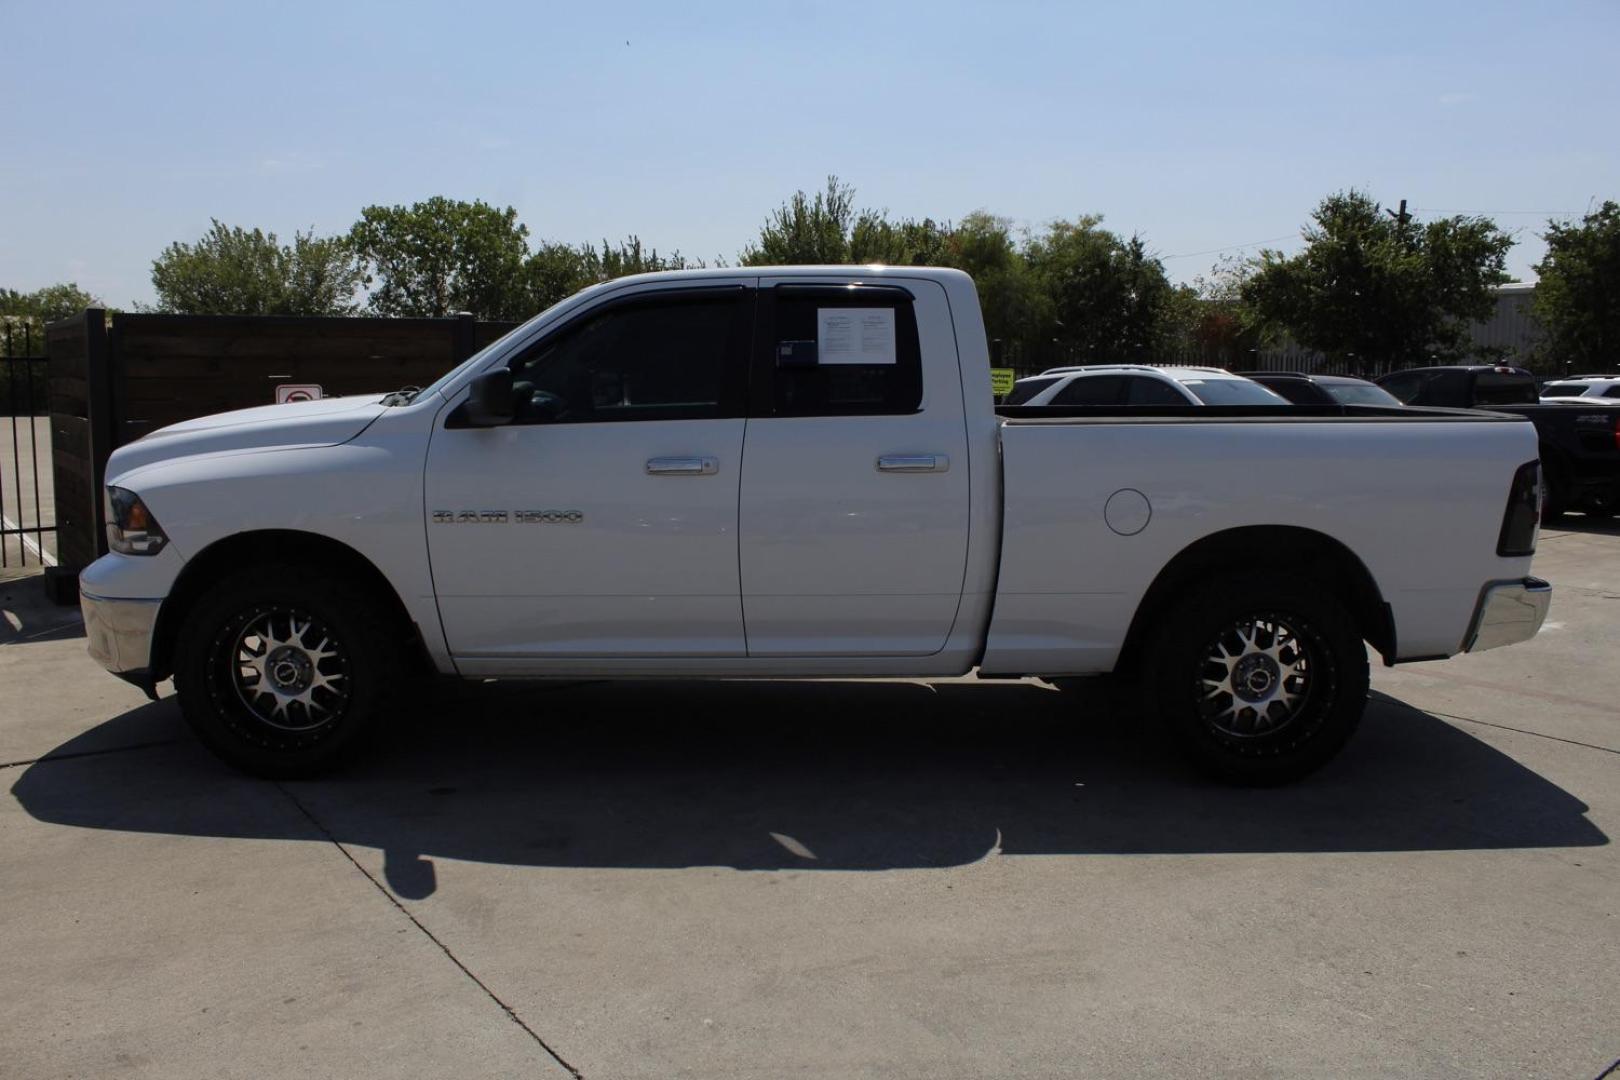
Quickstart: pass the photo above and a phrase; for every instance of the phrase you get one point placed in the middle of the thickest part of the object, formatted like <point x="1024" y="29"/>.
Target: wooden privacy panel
<point x="170" y="368"/>
<point x="76" y="367"/>
<point x="111" y="385"/>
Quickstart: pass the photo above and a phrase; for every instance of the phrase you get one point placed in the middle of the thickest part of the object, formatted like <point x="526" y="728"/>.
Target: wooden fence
<point x="113" y="380"/>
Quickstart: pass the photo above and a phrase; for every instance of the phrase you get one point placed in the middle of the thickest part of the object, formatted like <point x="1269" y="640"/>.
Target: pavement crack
<point x="86" y="753"/>
<point x="511" y="1013"/>
<point x="1519" y="730"/>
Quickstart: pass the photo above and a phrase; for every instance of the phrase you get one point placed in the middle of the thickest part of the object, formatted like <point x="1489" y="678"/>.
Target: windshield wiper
<point x="402" y="396"/>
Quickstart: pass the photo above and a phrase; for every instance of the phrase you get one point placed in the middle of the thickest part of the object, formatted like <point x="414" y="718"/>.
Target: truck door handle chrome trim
<point x="682" y="466"/>
<point x="913" y="463"/>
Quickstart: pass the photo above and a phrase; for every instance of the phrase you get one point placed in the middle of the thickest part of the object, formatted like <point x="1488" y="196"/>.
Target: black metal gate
<point x="27" y="495"/>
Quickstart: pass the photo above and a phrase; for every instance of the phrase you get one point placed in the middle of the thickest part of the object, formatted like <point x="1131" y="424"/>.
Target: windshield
<point x="1360" y="394"/>
<point x="1563" y="389"/>
<point x="1231" y="392"/>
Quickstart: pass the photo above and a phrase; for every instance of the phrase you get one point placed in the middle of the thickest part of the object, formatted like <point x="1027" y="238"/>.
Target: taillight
<point x="1522" y="519"/>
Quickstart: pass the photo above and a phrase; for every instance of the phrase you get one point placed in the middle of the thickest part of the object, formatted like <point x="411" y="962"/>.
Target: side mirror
<point x="489" y="399"/>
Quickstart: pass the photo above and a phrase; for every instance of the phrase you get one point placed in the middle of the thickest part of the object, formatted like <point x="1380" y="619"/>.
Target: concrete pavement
<point x="822" y="879"/>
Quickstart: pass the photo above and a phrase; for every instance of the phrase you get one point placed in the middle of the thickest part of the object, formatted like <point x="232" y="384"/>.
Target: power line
<point x="1488" y="213"/>
<point x="1230" y="247"/>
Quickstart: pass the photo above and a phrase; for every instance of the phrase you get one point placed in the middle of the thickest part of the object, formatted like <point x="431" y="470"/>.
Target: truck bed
<point x="1097" y="500"/>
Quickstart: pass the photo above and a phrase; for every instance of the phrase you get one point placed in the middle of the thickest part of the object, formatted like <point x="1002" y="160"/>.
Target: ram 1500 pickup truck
<point x="800" y="472"/>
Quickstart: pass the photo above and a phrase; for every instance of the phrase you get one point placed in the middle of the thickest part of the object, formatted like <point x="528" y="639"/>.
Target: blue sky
<point x="1201" y="126"/>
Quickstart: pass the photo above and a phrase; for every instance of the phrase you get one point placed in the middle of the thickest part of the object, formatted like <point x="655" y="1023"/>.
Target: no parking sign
<point x="286" y="392"/>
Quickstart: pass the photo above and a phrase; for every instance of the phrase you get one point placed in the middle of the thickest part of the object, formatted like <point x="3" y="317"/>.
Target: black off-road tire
<point x="367" y="645"/>
<point x="1287" y="739"/>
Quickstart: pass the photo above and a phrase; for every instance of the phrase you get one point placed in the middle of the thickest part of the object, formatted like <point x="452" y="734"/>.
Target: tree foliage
<point x="441" y="256"/>
<point x="1110" y="300"/>
<point x="232" y="271"/>
<point x="1382" y="292"/>
<point x="807" y="229"/>
<point x="555" y="271"/>
<point x="1577" y="300"/>
<point x="24" y="316"/>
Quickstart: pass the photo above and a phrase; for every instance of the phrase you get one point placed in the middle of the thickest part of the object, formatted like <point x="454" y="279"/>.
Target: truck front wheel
<point x="284" y="674"/>
<point x="1260" y="680"/>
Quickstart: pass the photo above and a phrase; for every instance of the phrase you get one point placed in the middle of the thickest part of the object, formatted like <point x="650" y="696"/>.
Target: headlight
<point x="131" y="528"/>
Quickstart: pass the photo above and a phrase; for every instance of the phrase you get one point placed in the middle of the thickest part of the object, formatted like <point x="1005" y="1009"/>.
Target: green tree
<point x="1016" y="312"/>
<point x="1577" y="300"/>
<point x="1109" y="298"/>
<point x="46" y="305"/>
<point x="1218" y="327"/>
<point x="555" y="271"/>
<point x="875" y="239"/>
<point x="442" y="256"/>
<point x="807" y="229"/>
<point x="232" y="271"/>
<point x="1381" y="292"/>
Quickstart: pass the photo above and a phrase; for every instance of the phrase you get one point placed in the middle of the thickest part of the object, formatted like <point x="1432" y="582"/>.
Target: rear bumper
<point x="1508" y="612"/>
<point x="119" y="632"/>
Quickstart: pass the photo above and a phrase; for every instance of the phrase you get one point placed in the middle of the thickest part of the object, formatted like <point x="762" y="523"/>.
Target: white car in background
<point x="1579" y="388"/>
<point x="1139" y="384"/>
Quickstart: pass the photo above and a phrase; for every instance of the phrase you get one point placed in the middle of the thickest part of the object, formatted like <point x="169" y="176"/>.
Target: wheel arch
<point x="1280" y="548"/>
<point x="232" y="553"/>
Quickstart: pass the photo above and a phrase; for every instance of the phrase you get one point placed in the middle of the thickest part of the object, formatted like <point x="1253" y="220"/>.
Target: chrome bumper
<point x="119" y="631"/>
<point x="1508" y="612"/>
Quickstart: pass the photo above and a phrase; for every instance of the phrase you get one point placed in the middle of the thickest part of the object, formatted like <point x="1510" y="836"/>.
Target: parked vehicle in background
<point x="798" y="472"/>
<point x="1139" y="384"/>
<point x="1602" y="387"/>
<point x="1303" y="389"/>
<point x="1579" y="442"/>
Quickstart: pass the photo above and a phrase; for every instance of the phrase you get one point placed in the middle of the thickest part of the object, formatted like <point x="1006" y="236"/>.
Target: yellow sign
<point x="1001" y="381"/>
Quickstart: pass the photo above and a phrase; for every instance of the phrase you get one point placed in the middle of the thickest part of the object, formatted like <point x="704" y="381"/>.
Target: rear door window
<point x="832" y="350"/>
<point x="1091" y="390"/>
<point x="1563" y="389"/>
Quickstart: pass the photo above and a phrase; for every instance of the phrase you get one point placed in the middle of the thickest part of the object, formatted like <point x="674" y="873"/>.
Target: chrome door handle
<point x="913" y="463"/>
<point x="682" y="466"/>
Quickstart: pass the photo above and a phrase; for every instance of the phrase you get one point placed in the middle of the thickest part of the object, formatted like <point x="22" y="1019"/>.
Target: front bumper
<point x="119" y="631"/>
<point x="1508" y="612"/>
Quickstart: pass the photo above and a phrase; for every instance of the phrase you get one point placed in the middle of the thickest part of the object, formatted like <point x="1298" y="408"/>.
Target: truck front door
<point x="854" y="524"/>
<point x="602" y="522"/>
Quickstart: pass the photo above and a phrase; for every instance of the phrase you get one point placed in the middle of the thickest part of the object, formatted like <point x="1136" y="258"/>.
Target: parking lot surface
<point x="887" y="879"/>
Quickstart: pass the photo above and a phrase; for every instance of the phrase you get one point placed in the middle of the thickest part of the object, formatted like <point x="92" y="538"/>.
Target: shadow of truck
<point x="805" y="776"/>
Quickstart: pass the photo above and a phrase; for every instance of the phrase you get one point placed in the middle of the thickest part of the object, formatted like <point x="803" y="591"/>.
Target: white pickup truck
<point x="800" y="472"/>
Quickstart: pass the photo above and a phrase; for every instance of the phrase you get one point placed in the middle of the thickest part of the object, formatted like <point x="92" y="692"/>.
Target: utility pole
<point x="1400" y="217"/>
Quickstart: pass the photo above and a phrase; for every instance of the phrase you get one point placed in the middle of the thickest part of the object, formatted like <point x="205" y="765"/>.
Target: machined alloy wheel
<point x="290" y="671"/>
<point x="1259" y="678"/>
<point x="1255" y="679"/>
<point x="287" y="672"/>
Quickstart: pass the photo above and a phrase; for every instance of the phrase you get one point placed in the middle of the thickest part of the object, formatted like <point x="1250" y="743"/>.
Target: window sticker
<point x="863" y="335"/>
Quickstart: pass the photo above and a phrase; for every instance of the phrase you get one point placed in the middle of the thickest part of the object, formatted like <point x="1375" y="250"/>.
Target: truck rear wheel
<point x="1260" y="680"/>
<point x="284" y="674"/>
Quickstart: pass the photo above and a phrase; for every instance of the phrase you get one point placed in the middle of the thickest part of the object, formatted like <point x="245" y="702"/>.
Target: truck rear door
<point x="853" y="522"/>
